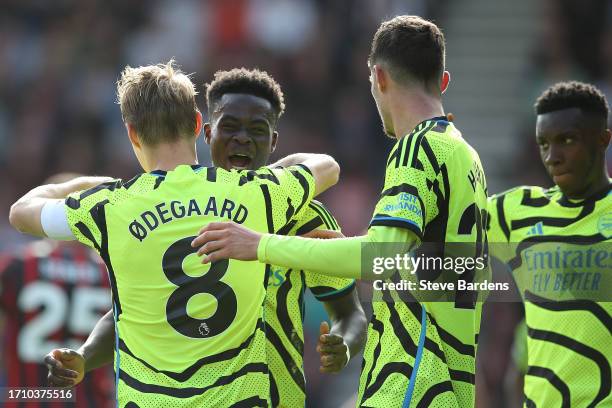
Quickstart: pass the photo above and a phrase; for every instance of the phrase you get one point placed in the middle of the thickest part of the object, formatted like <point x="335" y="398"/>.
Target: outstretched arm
<point x="223" y="240"/>
<point x="25" y="214"/>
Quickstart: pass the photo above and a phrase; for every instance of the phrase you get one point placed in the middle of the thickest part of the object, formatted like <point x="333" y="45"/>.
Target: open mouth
<point x="239" y="161"/>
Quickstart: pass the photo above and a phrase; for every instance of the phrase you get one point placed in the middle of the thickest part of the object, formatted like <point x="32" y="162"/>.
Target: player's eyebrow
<point x="227" y="117"/>
<point x="259" y="121"/>
<point x="565" y="133"/>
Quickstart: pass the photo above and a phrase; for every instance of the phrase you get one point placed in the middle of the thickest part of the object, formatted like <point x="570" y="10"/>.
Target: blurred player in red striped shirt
<point x="51" y="295"/>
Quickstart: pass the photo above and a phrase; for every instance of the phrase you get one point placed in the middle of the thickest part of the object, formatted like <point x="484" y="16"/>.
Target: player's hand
<point x="66" y="368"/>
<point x="450" y="117"/>
<point x="323" y="234"/>
<point x="333" y="350"/>
<point x="226" y="240"/>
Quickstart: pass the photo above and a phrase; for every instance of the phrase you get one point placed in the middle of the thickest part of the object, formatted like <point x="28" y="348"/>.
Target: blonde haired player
<point x="186" y="335"/>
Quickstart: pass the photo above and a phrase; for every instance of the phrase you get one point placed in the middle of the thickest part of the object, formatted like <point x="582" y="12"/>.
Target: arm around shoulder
<point x="324" y="168"/>
<point x="26" y="213"/>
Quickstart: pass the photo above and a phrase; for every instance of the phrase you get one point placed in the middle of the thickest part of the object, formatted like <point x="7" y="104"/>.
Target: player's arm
<point x="394" y="221"/>
<point x="515" y="375"/>
<point x="26" y="214"/>
<point x="347" y="335"/>
<point x="98" y="349"/>
<point x="223" y="240"/>
<point x="324" y="168"/>
<point x="67" y="367"/>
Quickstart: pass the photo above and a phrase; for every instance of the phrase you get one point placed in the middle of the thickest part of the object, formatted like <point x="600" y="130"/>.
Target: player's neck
<point x="601" y="183"/>
<point x="168" y="156"/>
<point x="408" y="109"/>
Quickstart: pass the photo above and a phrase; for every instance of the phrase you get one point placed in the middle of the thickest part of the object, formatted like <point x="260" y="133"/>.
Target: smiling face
<point x="572" y="150"/>
<point x="241" y="133"/>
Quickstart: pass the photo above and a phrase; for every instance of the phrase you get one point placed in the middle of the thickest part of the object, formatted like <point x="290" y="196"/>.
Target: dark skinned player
<point x="556" y="237"/>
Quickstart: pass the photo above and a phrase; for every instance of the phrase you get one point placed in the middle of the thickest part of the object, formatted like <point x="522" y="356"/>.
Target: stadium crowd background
<point x="58" y="111"/>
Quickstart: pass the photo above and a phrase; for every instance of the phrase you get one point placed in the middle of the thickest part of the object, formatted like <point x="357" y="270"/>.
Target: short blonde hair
<point x="158" y="101"/>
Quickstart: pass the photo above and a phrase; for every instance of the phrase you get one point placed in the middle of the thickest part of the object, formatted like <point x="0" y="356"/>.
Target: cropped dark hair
<point x="573" y="94"/>
<point x="245" y="81"/>
<point x="412" y="48"/>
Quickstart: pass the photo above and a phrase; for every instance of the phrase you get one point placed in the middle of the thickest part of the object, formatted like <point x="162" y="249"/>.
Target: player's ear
<point x="274" y="140"/>
<point x="445" y="81"/>
<point x="198" y="128"/>
<point x="381" y="79"/>
<point x="605" y="138"/>
<point x="133" y="135"/>
<point x="207" y="132"/>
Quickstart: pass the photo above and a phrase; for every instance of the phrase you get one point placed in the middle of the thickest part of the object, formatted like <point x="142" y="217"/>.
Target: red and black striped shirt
<point x="52" y="295"/>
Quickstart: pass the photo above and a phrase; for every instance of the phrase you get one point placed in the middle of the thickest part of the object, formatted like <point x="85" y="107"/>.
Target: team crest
<point x="604" y="225"/>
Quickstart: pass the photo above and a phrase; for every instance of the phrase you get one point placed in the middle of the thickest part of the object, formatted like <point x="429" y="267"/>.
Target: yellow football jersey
<point x="187" y="334"/>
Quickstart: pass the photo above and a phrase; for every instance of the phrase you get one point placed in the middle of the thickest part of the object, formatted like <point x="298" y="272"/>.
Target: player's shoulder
<point x="445" y="141"/>
<point x="278" y="176"/>
<point x="317" y="208"/>
<point x="312" y="217"/>
<point x="518" y="194"/>
<point x="439" y="128"/>
<point x="505" y="193"/>
<point x="104" y="192"/>
<point x="117" y="190"/>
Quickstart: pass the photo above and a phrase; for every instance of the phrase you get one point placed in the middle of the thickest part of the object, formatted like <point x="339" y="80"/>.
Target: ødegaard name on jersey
<point x="166" y="212"/>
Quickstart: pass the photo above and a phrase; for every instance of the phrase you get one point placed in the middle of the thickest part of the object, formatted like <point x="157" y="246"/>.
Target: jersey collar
<point x="566" y="202"/>
<point x="164" y="172"/>
<point x="421" y="124"/>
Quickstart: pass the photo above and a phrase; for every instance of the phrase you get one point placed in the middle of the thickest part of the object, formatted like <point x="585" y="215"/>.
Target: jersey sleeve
<point x="85" y="213"/>
<point x="286" y="193"/>
<point x="498" y="232"/>
<point x="412" y="187"/>
<point x="324" y="288"/>
<point x="497" y="226"/>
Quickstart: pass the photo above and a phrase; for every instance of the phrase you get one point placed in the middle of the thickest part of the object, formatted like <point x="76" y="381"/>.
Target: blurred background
<point x="60" y="61"/>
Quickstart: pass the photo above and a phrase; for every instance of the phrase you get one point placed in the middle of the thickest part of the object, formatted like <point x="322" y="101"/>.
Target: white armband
<point x="54" y="221"/>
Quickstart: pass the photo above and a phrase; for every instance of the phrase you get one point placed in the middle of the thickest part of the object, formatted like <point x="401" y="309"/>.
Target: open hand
<point x="226" y="240"/>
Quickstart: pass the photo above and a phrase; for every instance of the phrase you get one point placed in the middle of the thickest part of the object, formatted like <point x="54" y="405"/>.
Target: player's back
<point x="455" y="325"/>
<point x="188" y="333"/>
<point x="557" y="250"/>
<point x="52" y="295"/>
<point x="424" y="353"/>
<point x="285" y="307"/>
